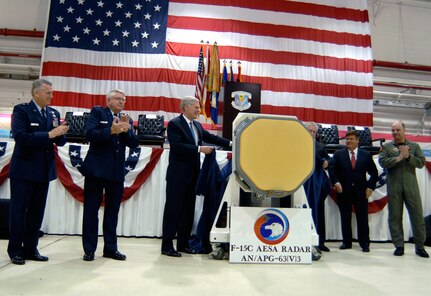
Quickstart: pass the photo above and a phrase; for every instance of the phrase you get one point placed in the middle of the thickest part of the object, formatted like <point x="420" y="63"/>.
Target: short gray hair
<point x="113" y="92"/>
<point x="37" y="84"/>
<point x="311" y="123"/>
<point x="187" y="101"/>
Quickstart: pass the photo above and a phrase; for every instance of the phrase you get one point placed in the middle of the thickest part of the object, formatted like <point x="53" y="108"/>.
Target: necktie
<point x="193" y="131"/>
<point x="353" y="160"/>
<point x="43" y="112"/>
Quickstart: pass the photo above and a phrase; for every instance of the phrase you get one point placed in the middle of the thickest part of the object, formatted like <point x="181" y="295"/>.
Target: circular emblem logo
<point x="271" y="226"/>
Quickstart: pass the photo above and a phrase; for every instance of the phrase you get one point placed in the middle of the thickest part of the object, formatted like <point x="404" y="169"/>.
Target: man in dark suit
<point x="347" y="170"/>
<point x="185" y="136"/>
<point x="109" y="132"/>
<point x="317" y="187"/>
<point x="36" y="128"/>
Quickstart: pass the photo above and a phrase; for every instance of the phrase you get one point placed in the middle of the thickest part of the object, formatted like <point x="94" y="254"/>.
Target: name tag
<point x="34" y="124"/>
<point x="103" y="122"/>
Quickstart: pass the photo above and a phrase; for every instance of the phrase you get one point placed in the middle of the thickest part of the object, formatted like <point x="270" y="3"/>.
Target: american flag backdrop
<point x="312" y="57"/>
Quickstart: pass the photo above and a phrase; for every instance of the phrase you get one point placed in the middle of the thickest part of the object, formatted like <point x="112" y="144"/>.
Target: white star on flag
<point x="326" y="43"/>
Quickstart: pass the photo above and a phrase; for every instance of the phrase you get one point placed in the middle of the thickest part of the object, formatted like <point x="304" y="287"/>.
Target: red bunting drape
<point x="78" y="193"/>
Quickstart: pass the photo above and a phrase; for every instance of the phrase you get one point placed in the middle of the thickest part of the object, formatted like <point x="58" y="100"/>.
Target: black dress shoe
<point x="187" y="251"/>
<point x="399" y="251"/>
<point x="88" y="256"/>
<point x="324" y="248"/>
<point x="366" y="250"/>
<point x="116" y="256"/>
<point x="171" y="253"/>
<point x="345" y="247"/>
<point x="422" y="253"/>
<point x="18" y="260"/>
<point x="36" y="257"/>
<point x="315" y="255"/>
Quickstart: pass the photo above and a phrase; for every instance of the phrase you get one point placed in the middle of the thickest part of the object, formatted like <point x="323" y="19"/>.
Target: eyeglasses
<point x="123" y="100"/>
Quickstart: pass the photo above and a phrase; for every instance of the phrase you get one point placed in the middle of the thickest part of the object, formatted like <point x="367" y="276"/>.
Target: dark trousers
<point x="178" y="214"/>
<point x="27" y="206"/>
<point x="318" y="213"/>
<point x="360" y="202"/>
<point x="93" y="195"/>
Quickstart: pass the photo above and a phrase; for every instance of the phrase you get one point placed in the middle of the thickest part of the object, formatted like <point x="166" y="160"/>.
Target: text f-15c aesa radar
<point x="272" y="157"/>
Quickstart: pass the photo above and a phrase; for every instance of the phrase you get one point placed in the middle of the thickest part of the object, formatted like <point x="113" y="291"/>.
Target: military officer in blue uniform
<point x="36" y="129"/>
<point x="109" y="132"/>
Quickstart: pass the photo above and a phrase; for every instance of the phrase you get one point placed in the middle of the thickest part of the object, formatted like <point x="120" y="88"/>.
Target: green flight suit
<point x="402" y="187"/>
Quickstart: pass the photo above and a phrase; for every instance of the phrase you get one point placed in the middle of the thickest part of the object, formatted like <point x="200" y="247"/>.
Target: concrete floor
<point x="146" y="272"/>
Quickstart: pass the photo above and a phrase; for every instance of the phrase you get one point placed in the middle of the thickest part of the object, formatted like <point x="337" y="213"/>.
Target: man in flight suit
<point x="401" y="158"/>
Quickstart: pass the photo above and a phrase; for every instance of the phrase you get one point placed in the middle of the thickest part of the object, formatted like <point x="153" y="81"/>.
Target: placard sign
<point x="270" y="235"/>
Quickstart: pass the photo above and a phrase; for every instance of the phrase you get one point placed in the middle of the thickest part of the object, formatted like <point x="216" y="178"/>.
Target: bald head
<point x="399" y="131"/>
